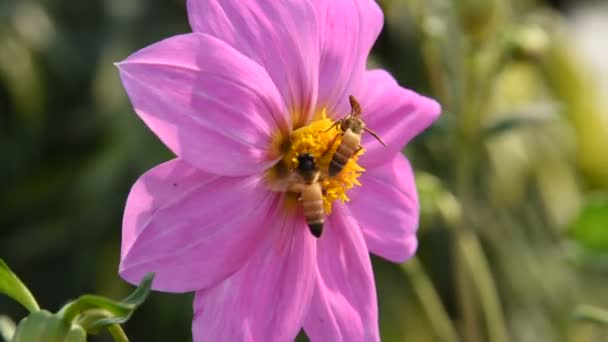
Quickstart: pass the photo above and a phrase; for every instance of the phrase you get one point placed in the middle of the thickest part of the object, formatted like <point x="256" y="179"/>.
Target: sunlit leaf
<point x="7" y="328"/>
<point x="590" y="229"/>
<point x="14" y="288"/>
<point x="591" y="314"/>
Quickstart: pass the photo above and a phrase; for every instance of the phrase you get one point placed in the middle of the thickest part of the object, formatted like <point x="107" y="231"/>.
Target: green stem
<point x="466" y="301"/>
<point x="431" y="56"/>
<point x="431" y="303"/>
<point x="117" y="333"/>
<point x="451" y="210"/>
<point x="482" y="279"/>
<point x="472" y="269"/>
<point x="435" y="70"/>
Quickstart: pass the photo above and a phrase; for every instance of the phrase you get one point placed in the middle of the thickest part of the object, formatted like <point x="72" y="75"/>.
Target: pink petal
<point x="386" y="207"/>
<point x="396" y="114"/>
<point x="268" y="298"/>
<point x="349" y="28"/>
<point x="191" y="228"/>
<point x="281" y="36"/>
<point x="208" y="103"/>
<point x="343" y="306"/>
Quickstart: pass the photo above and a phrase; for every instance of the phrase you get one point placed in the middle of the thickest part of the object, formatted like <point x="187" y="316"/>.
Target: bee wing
<point x="294" y="183"/>
<point x="283" y="183"/>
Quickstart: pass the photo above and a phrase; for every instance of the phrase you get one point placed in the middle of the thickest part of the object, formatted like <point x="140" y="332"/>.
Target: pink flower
<point x="257" y="83"/>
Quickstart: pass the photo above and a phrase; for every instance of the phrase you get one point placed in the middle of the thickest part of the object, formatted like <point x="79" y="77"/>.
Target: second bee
<point x="311" y="193"/>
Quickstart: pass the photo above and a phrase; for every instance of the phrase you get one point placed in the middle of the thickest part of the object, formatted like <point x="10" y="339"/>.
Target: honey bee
<point x="311" y="192"/>
<point x="351" y="129"/>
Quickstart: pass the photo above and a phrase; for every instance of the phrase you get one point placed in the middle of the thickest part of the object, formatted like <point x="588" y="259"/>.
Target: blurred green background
<point x="513" y="178"/>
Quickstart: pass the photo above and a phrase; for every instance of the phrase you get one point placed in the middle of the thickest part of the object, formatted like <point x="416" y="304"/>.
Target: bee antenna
<point x="374" y="135"/>
<point x="355" y="106"/>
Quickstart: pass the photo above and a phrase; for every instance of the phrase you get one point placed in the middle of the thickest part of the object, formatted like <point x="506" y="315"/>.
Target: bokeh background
<point x="513" y="178"/>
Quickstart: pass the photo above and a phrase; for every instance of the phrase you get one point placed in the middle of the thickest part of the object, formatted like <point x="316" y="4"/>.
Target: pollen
<point x="321" y="138"/>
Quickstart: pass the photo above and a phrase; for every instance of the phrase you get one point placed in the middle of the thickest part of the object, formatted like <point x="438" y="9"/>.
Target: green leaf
<point x="591" y="314"/>
<point x="89" y="313"/>
<point x="15" y="289"/>
<point x="94" y="313"/>
<point x="590" y="229"/>
<point x="43" y="326"/>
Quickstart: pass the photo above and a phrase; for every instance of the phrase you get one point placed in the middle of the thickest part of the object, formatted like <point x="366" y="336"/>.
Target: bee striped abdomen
<point x="346" y="150"/>
<point x="313" y="211"/>
<point x="312" y="204"/>
<point x="339" y="160"/>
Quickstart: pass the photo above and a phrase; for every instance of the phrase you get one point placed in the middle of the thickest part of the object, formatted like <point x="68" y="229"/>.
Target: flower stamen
<point x="320" y="138"/>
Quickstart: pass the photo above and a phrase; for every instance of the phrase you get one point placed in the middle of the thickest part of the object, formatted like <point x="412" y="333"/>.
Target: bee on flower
<point x="256" y="86"/>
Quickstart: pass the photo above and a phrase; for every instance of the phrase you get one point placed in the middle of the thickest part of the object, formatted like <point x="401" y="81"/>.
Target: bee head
<point x="353" y="123"/>
<point x="306" y="162"/>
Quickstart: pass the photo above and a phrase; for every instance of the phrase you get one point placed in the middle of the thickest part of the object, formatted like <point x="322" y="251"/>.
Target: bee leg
<point x="357" y="150"/>
<point x="332" y="126"/>
<point x="330" y="145"/>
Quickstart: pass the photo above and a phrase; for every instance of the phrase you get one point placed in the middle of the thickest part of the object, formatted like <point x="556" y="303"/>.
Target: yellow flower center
<point x="321" y="139"/>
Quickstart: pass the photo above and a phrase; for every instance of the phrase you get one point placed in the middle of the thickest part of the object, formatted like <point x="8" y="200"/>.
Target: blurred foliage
<point x="503" y="175"/>
<point x="589" y="232"/>
<point x="591" y="227"/>
<point x="591" y="314"/>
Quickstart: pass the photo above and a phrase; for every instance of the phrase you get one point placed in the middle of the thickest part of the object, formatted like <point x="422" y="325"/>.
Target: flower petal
<point x="396" y="114"/>
<point x="208" y="103"/>
<point x="387" y="209"/>
<point x="281" y="36"/>
<point x="268" y="298"/>
<point x="343" y="306"/>
<point x="191" y="228"/>
<point x="348" y="28"/>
